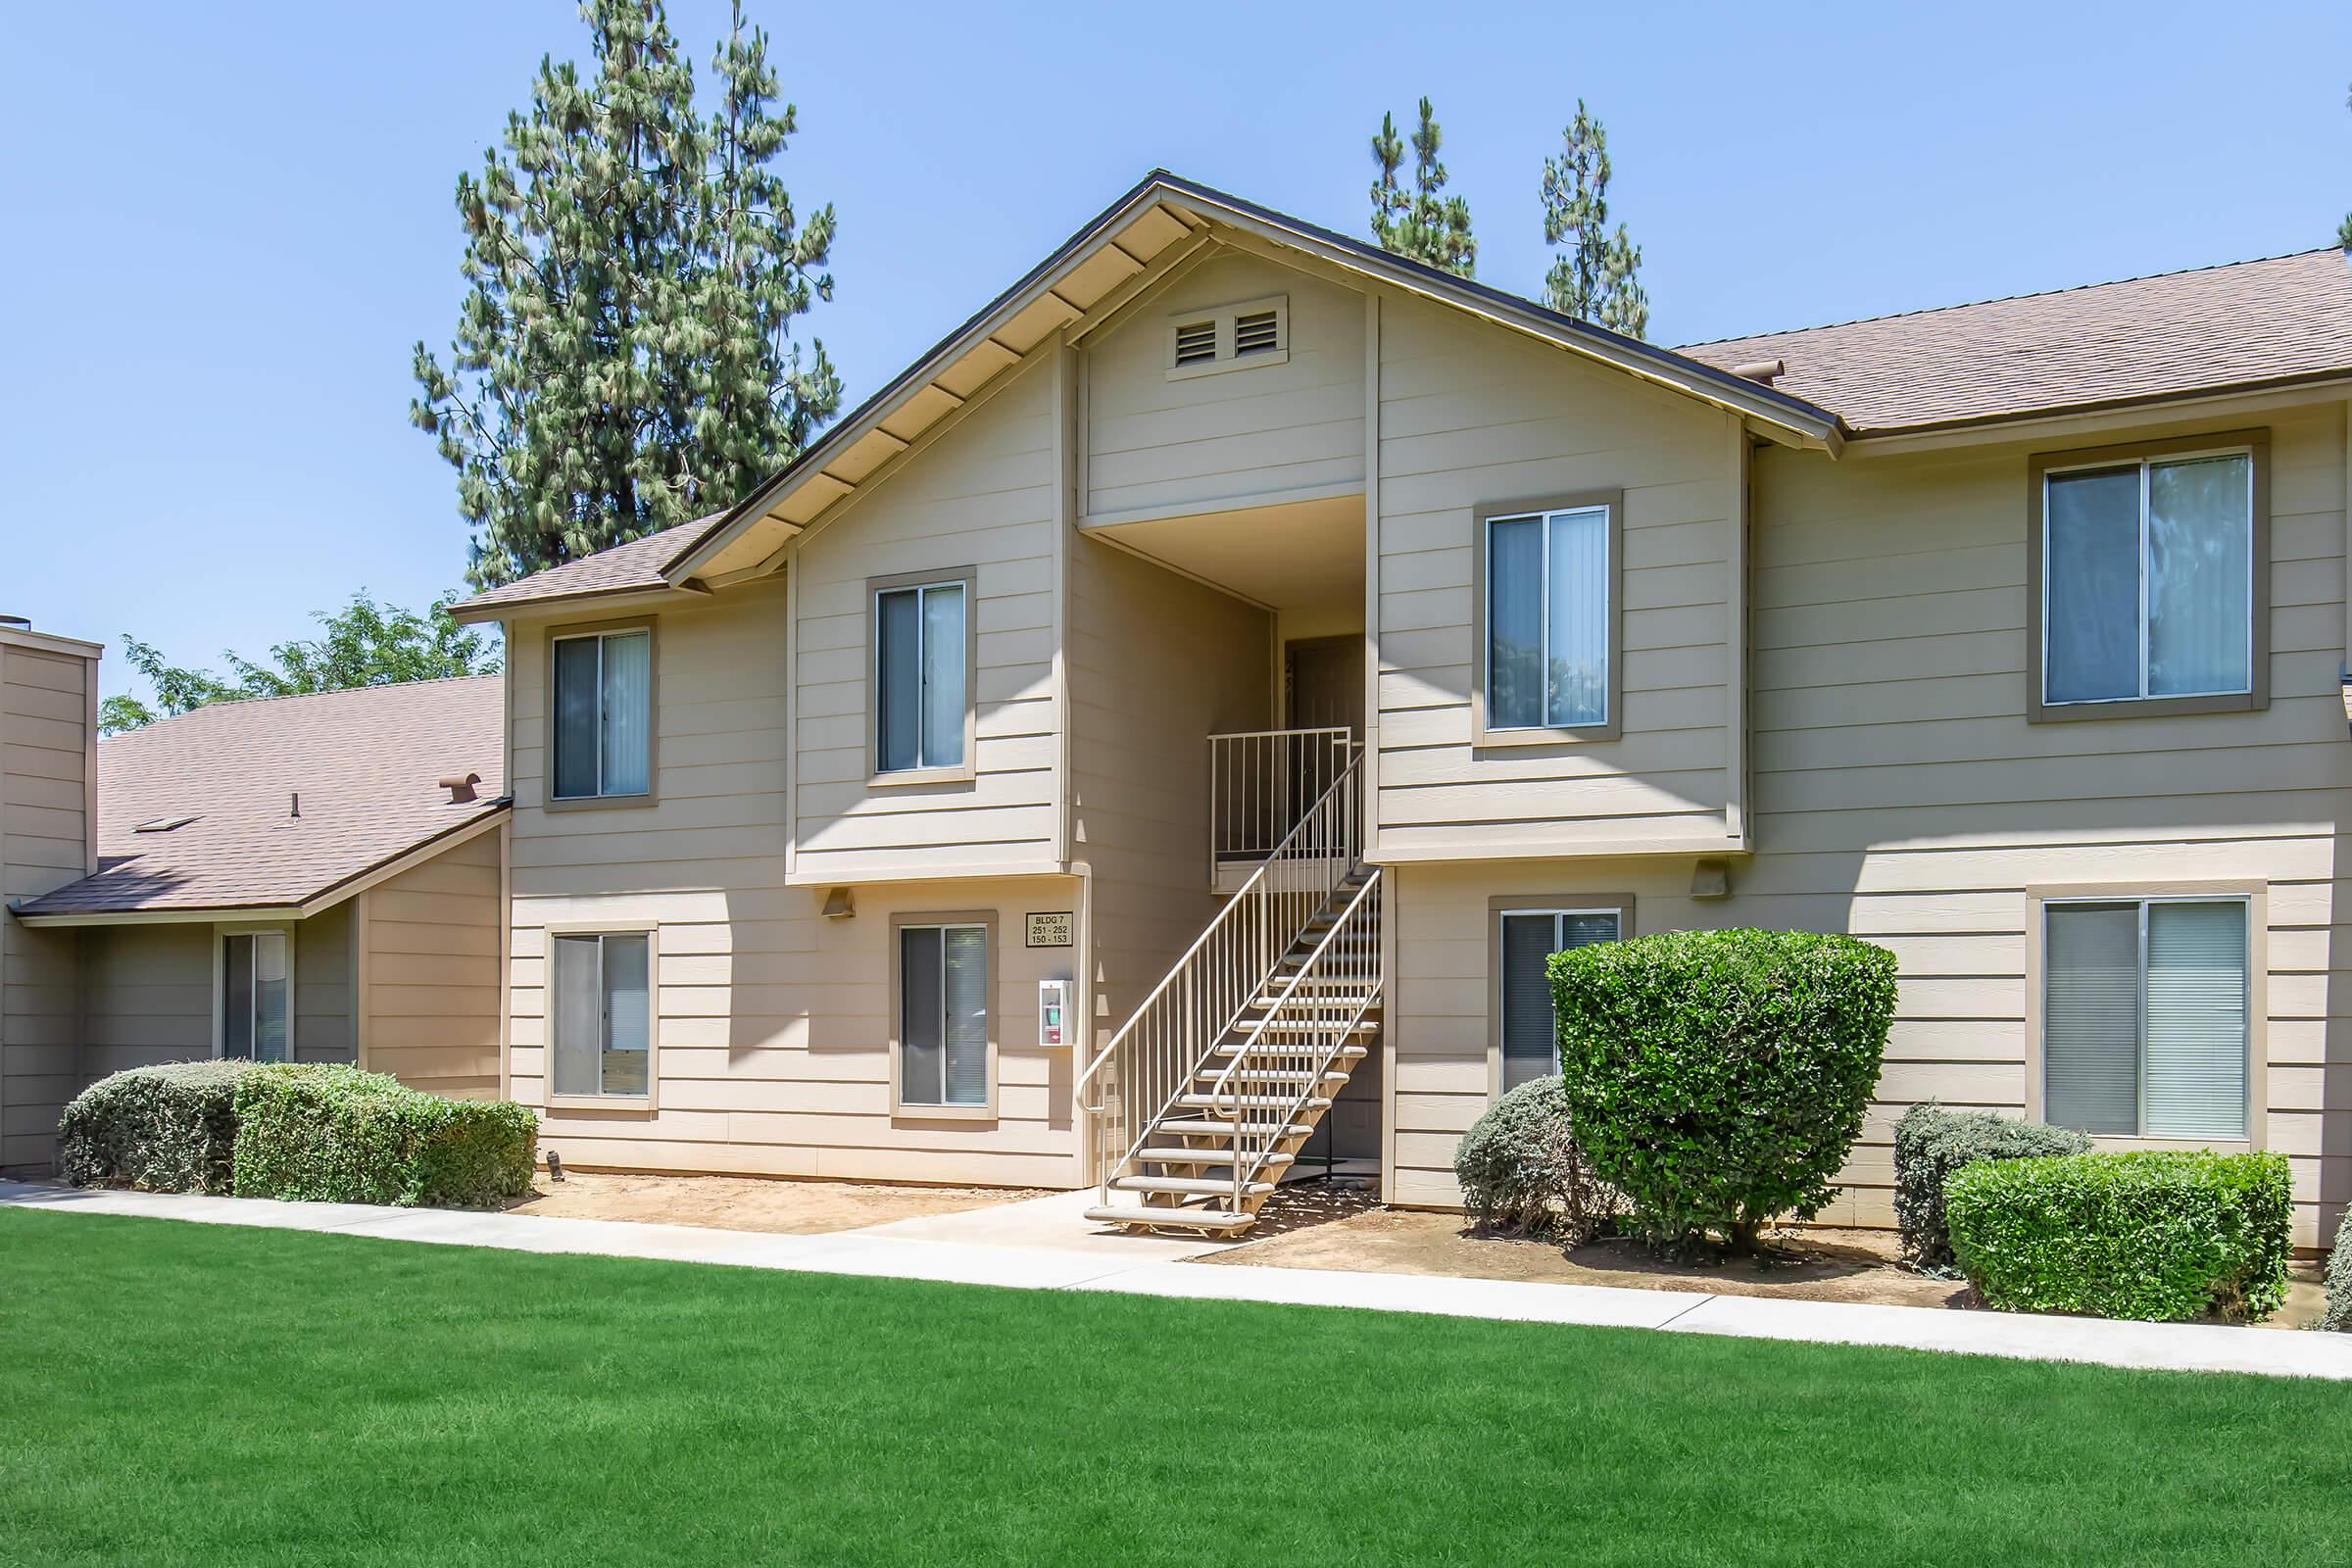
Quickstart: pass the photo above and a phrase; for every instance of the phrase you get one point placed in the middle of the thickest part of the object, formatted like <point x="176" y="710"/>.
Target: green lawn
<point x="194" y="1393"/>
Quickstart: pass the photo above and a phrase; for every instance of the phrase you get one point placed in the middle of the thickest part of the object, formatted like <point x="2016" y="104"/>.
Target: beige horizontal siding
<point x="322" y="980"/>
<point x="980" y="495"/>
<point x="44" y="843"/>
<point x="1161" y="445"/>
<point x="773" y="1030"/>
<point x="148" y="995"/>
<point x="1157" y="664"/>
<point x="1901" y="796"/>
<point x="431" y="972"/>
<point x="1470" y="417"/>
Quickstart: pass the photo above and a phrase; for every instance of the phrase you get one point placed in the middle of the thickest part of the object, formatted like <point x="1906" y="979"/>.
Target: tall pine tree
<point x="1594" y="278"/>
<point x="624" y="361"/>
<point x="1420" y="224"/>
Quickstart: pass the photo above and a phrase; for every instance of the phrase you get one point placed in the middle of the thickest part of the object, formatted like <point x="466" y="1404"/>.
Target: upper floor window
<point x="922" y="674"/>
<point x="2145" y="1004"/>
<point x="1551" y="618"/>
<point x="604" y="702"/>
<point x="1229" y="337"/>
<point x="2152" y="578"/>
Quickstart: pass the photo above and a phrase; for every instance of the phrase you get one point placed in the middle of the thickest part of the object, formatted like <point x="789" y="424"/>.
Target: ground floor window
<point x="604" y="1014"/>
<point x="942" y="1014"/>
<point x="2144" y="1016"/>
<point x="1530" y="1045"/>
<point x="257" y="996"/>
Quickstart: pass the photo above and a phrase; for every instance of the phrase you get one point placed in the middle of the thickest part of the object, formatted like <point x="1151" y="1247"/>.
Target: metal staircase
<point x="1202" y="1098"/>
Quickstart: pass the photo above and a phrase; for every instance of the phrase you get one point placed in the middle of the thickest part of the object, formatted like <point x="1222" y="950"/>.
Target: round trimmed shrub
<point x="1522" y="1173"/>
<point x="1717" y="1078"/>
<point x="2158" y="1235"/>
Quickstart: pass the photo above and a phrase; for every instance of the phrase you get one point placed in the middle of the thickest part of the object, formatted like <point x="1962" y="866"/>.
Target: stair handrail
<point x="1234" y="957"/>
<point x="1359" y="958"/>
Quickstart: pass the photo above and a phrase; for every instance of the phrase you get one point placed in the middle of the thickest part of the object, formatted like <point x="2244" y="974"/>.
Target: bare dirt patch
<point x="751" y="1202"/>
<point x="1812" y="1264"/>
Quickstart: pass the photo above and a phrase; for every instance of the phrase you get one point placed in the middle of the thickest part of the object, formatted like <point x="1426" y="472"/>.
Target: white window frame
<point x="220" y="936"/>
<point x="921" y="584"/>
<point x="603" y="1100"/>
<point x="2254" y="563"/>
<point x="555" y="733"/>
<point x="942" y="1108"/>
<point x="1621" y="911"/>
<point x="2253" y="999"/>
<point x="1224" y="316"/>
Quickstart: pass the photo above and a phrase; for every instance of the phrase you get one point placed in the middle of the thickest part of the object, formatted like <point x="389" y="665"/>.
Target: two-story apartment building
<point x="1159" y="735"/>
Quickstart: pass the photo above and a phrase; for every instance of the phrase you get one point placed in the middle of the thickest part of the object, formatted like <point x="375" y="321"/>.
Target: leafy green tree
<point x="1594" y="279"/>
<point x="624" y="361"/>
<point x="1420" y="224"/>
<point x="362" y="644"/>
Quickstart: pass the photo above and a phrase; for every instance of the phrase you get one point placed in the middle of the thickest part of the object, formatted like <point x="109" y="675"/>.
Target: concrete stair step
<point x="1185" y="1186"/>
<point x="1232" y="1045"/>
<point x="1305" y="1026"/>
<point x="1208" y="1128"/>
<point x="1198" y="1219"/>
<point x="1170" y="1154"/>
<point x="1281" y="1075"/>
<point x="1247" y="1102"/>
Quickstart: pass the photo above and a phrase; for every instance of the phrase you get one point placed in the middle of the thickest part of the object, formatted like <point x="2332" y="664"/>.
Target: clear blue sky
<point x="227" y="225"/>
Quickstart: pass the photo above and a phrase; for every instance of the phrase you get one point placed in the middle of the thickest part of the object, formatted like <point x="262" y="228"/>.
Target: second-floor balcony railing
<point x="1261" y="782"/>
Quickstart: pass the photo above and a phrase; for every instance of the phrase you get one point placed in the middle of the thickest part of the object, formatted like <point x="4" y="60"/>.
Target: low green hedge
<point x="1931" y="1143"/>
<point x="332" y="1134"/>
<point x="2160" y="1236"/>
<point x="1521" y="1172"/>
<point x="168" y="1129"/>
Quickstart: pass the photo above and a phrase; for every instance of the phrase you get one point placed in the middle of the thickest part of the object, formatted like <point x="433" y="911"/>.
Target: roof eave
<point x="1806" y="422"/>
<point x="862" y="420"/>
<point x="1794" y="419"/>
<point x="2005" y="423"/>
<point x="627" y="596"/>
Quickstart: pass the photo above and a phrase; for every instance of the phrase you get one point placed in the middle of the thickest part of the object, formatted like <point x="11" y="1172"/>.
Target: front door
<point x="1325" y="676"/>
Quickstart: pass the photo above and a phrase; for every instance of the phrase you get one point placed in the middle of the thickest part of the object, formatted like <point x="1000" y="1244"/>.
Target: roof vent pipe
<point x="459" y="787"/>
<point x="1764" y="370"/>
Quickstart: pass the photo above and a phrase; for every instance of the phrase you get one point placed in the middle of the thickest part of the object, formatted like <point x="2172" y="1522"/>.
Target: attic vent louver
<point x="1196" y="342"/>
<point x="1208" y="340"/>
<point x="163" y="824"/>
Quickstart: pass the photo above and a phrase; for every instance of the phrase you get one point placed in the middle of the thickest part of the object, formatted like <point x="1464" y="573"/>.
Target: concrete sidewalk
<point x="1148" y="1270"/>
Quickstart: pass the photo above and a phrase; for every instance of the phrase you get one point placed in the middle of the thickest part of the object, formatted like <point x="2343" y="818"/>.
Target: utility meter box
<point x="1053" y="1012"/>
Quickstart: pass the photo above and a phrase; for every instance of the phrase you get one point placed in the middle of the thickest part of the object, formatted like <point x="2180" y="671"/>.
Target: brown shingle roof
<point x="364" y="762"/>
<point x="623" y="568"/>
<point x="2247" y="324"/>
